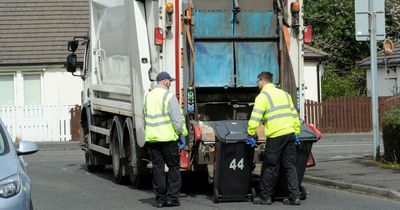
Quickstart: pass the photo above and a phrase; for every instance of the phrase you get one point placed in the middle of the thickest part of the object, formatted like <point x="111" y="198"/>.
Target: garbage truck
<point x="213" y="48"/>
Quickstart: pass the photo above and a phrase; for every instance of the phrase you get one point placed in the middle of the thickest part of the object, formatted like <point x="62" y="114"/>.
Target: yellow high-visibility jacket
<point x="274" y="108"/>
<point x="163" y="117"/>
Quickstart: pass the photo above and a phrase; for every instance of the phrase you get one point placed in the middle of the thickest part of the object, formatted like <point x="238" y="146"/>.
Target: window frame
<point x="14" y="75"/>
<point x="23" y="73"/>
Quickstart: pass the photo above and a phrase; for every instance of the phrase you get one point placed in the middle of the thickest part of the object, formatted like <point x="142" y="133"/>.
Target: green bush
<point x="391" y="135"/>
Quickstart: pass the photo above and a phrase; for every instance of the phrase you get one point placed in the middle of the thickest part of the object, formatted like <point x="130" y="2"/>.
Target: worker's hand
<point x="181" y="142"/>
<point x="297" y="141"/>
<point x="251" y="141"/>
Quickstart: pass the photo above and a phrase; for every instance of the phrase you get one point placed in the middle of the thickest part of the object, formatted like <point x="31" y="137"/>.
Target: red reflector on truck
<point x="308" y="33"/>
<point x="158" y="36"/>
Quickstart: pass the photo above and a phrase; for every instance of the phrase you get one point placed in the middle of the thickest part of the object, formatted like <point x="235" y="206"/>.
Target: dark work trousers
<point x="166" y="186"/>
<point x="279" y="150"/>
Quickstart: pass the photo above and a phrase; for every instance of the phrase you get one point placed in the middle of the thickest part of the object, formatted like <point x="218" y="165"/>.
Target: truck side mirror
<point x="71" y="63"/>
<point x="73" y="45"/>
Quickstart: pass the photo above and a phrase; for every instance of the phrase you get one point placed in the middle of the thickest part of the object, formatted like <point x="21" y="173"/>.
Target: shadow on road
<point x="149" y="201"/>
<point x="193" y="183"/>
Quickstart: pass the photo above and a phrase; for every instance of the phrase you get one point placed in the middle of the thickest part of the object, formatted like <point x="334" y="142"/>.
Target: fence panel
<point x="37" y="123"/>
<point x="346" y="113"/>
<point x="75" y="122"/>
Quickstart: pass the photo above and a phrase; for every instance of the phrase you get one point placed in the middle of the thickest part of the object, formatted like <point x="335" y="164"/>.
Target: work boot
<point x="171" y="203"/>
<point x="267" y="201"/>
<point x="161" y="204"/>
<point x="295" y="201"/>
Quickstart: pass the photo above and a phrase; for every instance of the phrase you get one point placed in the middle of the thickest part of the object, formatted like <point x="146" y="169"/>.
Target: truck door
<point x="231" y="49"/>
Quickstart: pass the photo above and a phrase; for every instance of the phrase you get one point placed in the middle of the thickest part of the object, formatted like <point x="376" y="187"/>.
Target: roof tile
<point x="37" y="32"/>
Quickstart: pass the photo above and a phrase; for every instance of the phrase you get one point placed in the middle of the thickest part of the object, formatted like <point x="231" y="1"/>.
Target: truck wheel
<point x="91" y="163"/>
<point x="116" y="160"/>
<point x="83" y="138"/>
<point x="89" y="154"/>
<point x="136" y="166"/>
<point x="134" y="171"/>
<point x="83" y="134"/>
<point x="138" y="172"/>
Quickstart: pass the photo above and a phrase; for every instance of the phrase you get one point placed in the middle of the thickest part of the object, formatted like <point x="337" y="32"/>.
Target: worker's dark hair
<point x="265" y="75"/>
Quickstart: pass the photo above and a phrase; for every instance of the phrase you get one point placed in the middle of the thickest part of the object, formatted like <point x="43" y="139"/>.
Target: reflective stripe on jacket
<point x="158" y="125"/>
<point x="274" y="108"/>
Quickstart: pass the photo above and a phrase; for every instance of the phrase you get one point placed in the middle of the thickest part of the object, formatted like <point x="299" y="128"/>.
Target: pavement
<point x="352" y="173"/>
<point x="58" y="145"/>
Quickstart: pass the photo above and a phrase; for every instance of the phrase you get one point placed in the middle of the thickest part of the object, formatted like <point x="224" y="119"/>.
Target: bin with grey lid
<point x="234" y="162"/>
<point x="307" y="139"/>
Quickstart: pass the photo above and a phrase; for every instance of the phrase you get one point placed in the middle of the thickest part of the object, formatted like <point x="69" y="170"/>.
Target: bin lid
<point x="230" y="131"/>
<point x="307" y="134"/>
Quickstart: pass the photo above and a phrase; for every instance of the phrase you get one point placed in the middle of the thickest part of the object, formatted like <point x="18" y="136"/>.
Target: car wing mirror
<point x="26" y="148"/>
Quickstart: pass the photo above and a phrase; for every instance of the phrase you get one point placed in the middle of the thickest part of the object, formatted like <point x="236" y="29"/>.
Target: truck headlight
<point x="10" y="186"/>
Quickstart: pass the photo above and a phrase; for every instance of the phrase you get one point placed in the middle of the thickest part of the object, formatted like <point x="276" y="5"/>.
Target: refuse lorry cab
<point x="213" y="48"/>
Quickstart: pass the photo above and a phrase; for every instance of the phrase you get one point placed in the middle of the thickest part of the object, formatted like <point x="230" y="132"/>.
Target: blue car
<point x="15" y="185"/>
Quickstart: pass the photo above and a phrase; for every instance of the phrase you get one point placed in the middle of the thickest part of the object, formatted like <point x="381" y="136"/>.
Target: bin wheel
<point x="303" y="193"/>
<point x="253" y="194"/>
<point x="216" y="196"/>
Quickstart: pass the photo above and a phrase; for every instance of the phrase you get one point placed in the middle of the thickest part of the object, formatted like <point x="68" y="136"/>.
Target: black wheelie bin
<point x="307" y="138"/>
<point x="233" y="164"/>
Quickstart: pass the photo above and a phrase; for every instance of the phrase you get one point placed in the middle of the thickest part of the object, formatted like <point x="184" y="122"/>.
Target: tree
<point x="334" y="32"/>
<point x="392" y="10"/>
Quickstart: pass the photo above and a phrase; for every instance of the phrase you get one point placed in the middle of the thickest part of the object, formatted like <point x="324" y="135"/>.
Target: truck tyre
<point x="91" y="163"/>
<point x="83" y="133"/>
<point x="134" y="172"/>
<point x="116" y="160"/>
<point x="89" y="155"/>
<point x="136" y="165"/>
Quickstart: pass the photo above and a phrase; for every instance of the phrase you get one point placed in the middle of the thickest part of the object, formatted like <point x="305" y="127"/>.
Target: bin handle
<point x="231" y="142"/>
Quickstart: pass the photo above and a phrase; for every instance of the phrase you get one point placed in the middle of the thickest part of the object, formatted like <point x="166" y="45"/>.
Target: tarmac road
<point x="326" y="149"/>
<point x="60" y="181"/>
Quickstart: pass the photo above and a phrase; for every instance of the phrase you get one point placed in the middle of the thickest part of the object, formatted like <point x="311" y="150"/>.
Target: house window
<point x="7" y="90"/>
<point x="32" y="89"/>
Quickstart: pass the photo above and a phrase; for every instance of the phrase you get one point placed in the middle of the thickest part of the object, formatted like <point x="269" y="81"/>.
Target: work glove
<point x="251" y="141"/>
<point x="181" y="142"/>
<point x="297" y="141"/>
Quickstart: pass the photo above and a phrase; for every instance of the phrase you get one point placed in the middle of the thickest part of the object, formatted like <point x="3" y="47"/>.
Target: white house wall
<point x="61" y="87"/>
<point x="388" y="83"/>
<point x="311" y="80"/>
<point x="58" y="87"/>
<point x="49" y="119"/>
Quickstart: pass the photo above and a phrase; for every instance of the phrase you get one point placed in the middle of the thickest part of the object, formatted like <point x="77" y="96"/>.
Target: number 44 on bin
<point x="233" y="165"/>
